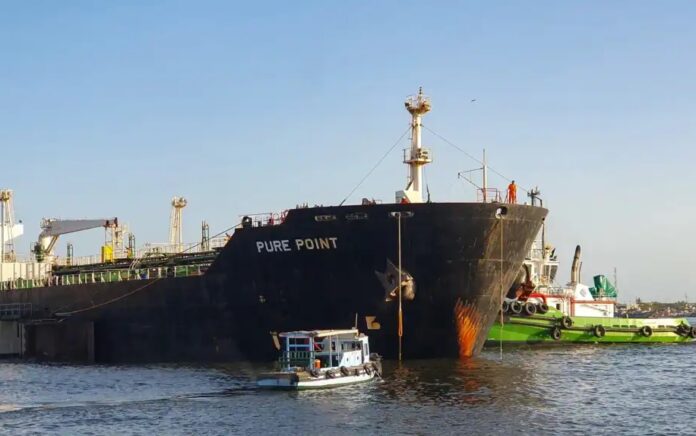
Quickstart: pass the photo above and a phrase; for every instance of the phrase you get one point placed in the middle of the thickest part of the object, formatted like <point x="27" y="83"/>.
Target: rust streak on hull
<point x="468" y="322"/>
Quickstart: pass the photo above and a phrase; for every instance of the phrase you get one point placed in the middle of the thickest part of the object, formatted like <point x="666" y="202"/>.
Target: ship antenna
<point x="417" y="105"/>
<point x="484" y="189"/>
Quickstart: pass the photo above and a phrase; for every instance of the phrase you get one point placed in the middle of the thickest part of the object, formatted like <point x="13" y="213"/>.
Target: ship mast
<point x="10" y="230"/>
<point x="175" y="223"/>
<point x="417" y="106"/>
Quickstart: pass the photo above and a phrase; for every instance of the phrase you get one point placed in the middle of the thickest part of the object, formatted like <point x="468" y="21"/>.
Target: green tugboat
<point x="537" y="311"/>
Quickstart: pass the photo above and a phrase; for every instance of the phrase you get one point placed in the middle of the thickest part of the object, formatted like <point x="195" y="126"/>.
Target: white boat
<point x="322" y="359"/>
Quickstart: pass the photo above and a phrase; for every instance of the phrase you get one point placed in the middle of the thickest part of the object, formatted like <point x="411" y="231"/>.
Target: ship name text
<point x="299" y="244"/>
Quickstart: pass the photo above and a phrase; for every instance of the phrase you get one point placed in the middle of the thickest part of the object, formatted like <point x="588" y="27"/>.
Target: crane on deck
<point x="52" y="228"/>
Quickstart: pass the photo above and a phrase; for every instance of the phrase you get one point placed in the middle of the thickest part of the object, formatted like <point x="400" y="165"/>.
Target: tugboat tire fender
<point x="646" y="331"/>
<point x="345" y="371"/>
<point x="599" y="331"/>
<point x="505" y="306"/>
<point x="566" y="322"/>
<point x="542" y="308"/>
<point x="683" y="330"/>
<point x="368" y="369"/>
<point x="314" y="372"/>
<point x="516" y="307"/>
<point x="692" y="332"/>
<point x="556" y="333"/>
<point x="530" y="308"/>
<point x="330" y="374"/>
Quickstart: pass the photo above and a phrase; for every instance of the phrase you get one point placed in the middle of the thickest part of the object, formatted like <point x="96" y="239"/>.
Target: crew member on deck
<point x="512" y="193"/>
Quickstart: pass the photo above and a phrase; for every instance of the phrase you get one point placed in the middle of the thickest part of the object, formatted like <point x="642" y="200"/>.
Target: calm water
<point x="586" y="389"/>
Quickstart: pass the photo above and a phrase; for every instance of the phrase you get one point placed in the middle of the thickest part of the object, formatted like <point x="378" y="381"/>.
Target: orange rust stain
<point x="468" y="322"/>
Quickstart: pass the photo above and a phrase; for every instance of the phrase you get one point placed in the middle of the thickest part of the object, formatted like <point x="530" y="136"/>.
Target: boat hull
<point x="539" y="329"/>
<point x="284" y="382"/>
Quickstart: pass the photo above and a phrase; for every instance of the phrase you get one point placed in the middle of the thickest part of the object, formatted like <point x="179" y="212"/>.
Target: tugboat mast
<point x="417" y="106"/>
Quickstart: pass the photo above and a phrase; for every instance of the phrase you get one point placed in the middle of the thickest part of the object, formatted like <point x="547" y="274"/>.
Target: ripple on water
<point x="627" y="389"/>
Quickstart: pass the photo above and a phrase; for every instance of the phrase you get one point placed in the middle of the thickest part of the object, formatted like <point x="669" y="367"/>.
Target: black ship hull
<point x="322" y="267"/>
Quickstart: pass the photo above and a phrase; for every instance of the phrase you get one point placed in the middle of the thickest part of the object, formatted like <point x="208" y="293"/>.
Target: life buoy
<point x="566" y="322"/>
<point x="530" y="308"/>
<point x="345" y="371"/>
<point x="599" y="330"/>
<point x="505" y="307"/>
<point x="516" y="307"/>
<point x="646" y="331"/>
<point x="556" y="333"/>
<point x="543" y="308"/>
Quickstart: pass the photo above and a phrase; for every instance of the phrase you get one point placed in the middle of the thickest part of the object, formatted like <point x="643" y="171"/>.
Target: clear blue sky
<point x="112" y="108"/>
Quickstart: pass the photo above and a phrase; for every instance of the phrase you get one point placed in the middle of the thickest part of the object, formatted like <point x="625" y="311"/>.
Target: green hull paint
<point x="538" y="328"/>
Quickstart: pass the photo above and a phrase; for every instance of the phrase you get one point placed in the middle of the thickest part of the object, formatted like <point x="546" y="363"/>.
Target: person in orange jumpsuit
<point x="512" y="193"/>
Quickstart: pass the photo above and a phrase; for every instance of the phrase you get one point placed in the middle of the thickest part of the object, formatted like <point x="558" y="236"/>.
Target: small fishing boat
<point x="321" y="359"/>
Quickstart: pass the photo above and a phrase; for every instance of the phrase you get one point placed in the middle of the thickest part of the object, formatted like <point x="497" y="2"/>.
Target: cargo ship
<point x="403" y="272"/>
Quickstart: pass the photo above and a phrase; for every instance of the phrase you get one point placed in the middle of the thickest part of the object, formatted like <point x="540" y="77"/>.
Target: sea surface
<point x="609" y="389"/>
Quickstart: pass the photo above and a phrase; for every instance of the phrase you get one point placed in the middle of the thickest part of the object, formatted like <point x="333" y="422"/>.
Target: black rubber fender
<point x="530" y="308"/>
<point x="314" y="372"/>
<point x="692" y="332"/>
<point x="566" y="322"/>
<point x="368" y="369"/>
<point x="330" y="374"/>
<point x="345" y="371"/>
<point x="556" y="333"/>
<point x="515" y="307"/>
<point x="599" y="330"/>
<point x="683" y="330"/>
<point x="646" y="331"/>
<point x="505" y="306"/>
<point x="542" y="308"/>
